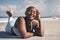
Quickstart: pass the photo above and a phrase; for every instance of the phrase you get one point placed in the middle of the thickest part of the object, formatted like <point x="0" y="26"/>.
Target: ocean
<point x="5" y="19"/>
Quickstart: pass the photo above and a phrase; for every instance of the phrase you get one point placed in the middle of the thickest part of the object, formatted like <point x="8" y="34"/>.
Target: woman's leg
<point x="10" y="24"/>
<point x="11" y="21"/>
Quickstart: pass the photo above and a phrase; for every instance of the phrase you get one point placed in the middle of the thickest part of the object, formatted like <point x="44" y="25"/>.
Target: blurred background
<point x="47" y="8"/>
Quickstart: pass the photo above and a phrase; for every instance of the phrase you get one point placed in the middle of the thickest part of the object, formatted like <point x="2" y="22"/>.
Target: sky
<point x="47" y="8"/>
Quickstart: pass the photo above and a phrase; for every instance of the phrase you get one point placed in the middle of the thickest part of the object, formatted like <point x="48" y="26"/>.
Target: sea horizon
<point x="5" y="19"/>
<point x="41" y="17"/>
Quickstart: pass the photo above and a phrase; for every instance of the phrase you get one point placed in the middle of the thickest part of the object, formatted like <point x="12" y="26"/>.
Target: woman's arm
<point x="41" y="28"/>
<point x="22" y="28"/>
<point x="10" y="22"/>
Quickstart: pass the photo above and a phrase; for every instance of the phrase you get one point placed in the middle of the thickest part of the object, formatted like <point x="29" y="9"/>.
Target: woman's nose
<point x="31" y="12"/>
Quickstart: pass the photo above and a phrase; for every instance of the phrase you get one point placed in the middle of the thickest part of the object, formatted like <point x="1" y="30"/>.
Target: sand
<point x="51" y="28"/>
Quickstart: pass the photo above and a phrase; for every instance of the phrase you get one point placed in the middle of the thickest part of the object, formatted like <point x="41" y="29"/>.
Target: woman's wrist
<point x="38" y="19"/>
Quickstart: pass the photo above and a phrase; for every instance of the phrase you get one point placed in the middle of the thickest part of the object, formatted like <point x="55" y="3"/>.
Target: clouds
<point x="22" y="5"/>
<point x="46" y="7"/>
<point x="56" y="10"/>
<point x="39" y="4"/>
<point x="7" y="7"/>
<point x="4" y="8"/>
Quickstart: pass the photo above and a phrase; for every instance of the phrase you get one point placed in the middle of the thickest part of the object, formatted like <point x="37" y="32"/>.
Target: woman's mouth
<point x="31" y="16"/>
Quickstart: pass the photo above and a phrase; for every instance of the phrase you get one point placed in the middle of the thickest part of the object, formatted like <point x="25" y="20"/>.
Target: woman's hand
<point x="41" y="28"/>
<point x="38" y="17"/>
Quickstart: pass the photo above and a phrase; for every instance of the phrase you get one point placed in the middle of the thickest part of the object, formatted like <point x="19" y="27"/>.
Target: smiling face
<point x="31" y="13"/>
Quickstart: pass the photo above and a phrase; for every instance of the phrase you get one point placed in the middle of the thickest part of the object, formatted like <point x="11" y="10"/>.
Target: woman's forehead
<point x="33" y="9"/>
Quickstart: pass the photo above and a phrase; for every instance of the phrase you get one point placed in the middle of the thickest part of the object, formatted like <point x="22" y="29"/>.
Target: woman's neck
<point x="28" y="19"/>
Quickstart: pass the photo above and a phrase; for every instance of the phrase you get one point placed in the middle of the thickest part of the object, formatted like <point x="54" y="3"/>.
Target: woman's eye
<point x="33" y="11"/>
<point x="28" y="12"/>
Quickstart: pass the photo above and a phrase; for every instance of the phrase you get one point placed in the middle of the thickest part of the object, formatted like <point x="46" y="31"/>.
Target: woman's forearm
<point x="41" y="29"/>
<point x="27" y="35"/>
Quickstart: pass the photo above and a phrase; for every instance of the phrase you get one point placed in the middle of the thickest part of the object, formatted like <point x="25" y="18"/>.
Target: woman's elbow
<point x="41" y="35"/>
<point x="27" y="35"/>
<point x="24" y="36"/>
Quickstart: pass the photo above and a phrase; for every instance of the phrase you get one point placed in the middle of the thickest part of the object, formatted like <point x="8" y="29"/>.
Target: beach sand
<point x="51" y="28"/>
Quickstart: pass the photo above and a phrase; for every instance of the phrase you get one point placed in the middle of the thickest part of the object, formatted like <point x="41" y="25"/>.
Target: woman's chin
<point x="31" y="18"/>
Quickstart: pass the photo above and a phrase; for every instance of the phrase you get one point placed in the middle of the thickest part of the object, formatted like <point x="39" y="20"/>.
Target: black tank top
<point x="28" y="26"/>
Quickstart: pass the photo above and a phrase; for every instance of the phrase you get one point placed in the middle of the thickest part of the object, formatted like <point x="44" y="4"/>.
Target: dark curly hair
<point x="31" y="7"/>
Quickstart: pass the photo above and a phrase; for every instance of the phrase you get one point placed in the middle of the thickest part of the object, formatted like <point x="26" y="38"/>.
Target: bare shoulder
<point x="21" y="18"/>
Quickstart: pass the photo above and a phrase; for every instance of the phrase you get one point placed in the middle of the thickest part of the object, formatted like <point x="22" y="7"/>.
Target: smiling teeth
<point x="31" y="16"/>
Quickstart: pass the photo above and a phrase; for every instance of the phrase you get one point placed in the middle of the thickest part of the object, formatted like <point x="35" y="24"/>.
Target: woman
<point x="29" y="25"/>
